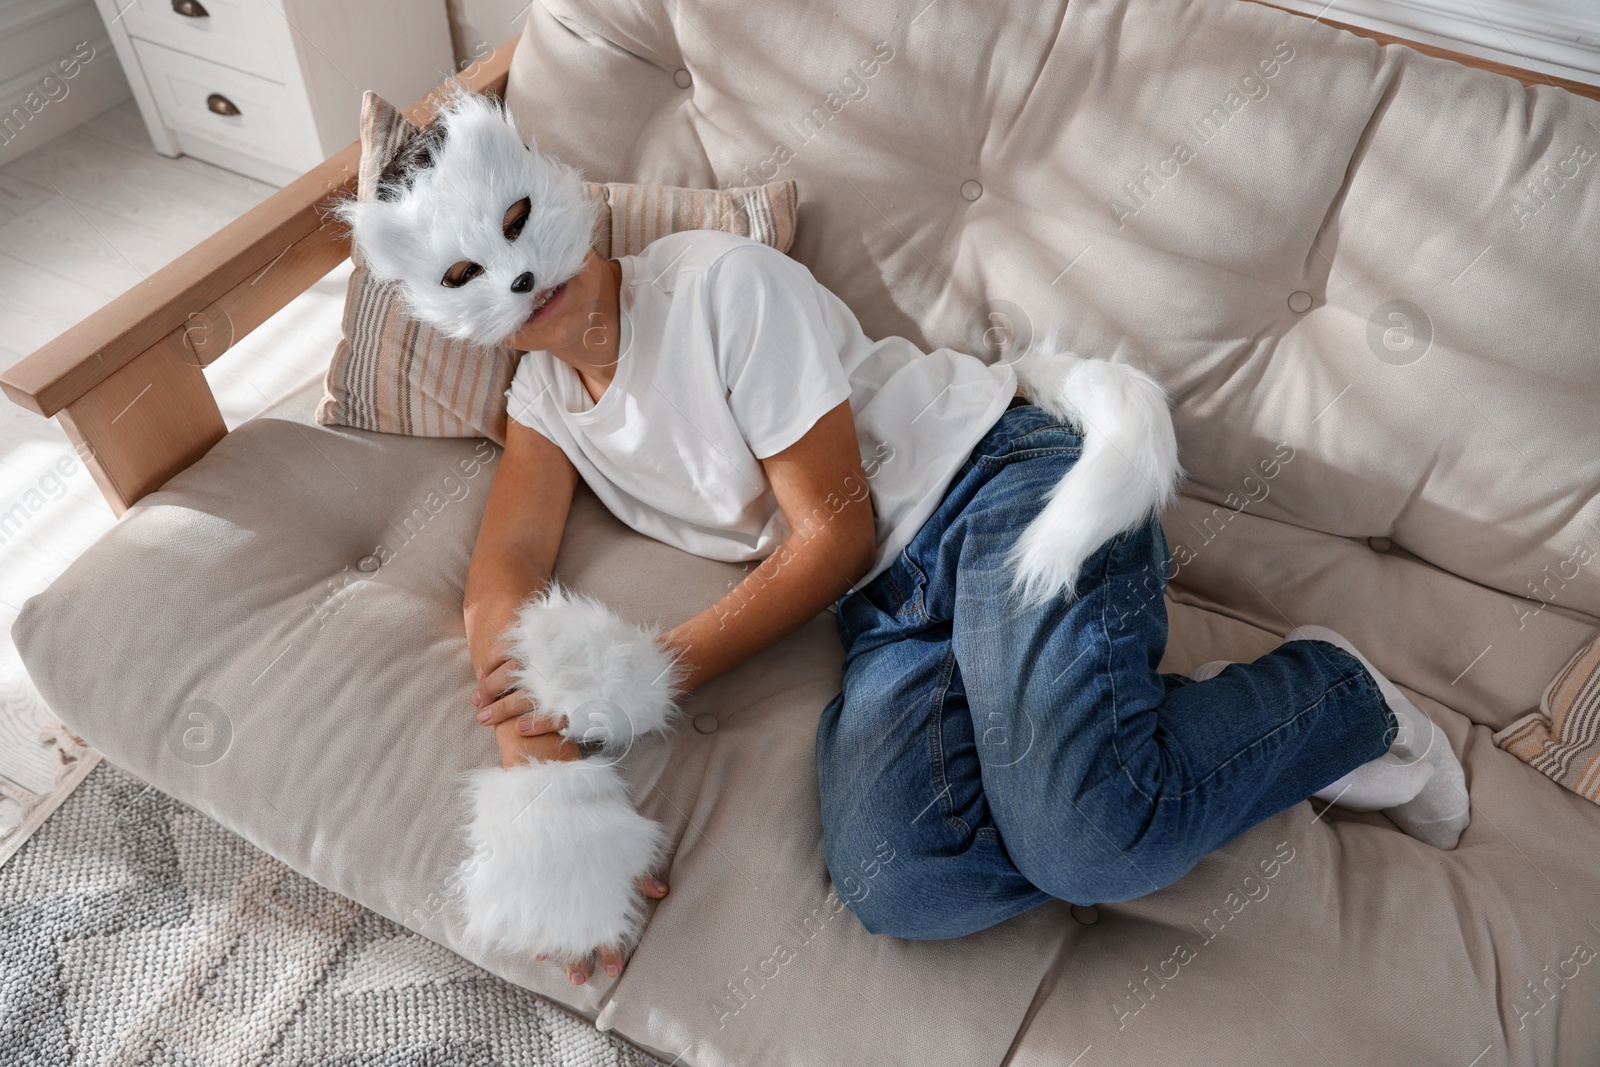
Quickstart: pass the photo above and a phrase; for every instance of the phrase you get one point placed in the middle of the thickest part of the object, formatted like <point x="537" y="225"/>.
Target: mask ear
<point x="384" y="132"/>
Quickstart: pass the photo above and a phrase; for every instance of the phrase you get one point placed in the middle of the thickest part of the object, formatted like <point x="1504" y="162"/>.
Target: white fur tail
<point x="1128" y="469"/>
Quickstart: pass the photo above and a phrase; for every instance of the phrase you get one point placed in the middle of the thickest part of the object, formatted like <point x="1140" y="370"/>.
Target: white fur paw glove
<point x="612" y="680"/>
<point x="557" y="849"/>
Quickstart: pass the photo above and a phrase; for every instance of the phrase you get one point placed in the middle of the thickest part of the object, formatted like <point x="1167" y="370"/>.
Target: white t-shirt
<point x="729" y="351"/>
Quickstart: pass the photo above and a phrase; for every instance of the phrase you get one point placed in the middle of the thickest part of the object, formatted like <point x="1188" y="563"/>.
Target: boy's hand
<point x="497" y="699"/>
<point x="612" y="961"/>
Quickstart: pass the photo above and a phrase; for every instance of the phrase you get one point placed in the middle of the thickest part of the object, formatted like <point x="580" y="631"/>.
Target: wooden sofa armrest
<point x="126" y="382"/>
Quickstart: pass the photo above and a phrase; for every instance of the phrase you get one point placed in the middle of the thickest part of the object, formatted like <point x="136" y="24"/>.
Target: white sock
<point x="1419" y="783"/>
<point x="1392" y="779"/>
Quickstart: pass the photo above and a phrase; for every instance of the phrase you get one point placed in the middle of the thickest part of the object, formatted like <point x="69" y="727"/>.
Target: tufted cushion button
<point x="971" y="189"/>
<point x="368" y="564"/>
<point x="1299" y="301"/>
<point x="681" y="78"/>
<point x="1379" y="544"/>
<point x="706" y="723"/>
<point x="1086" y="914"/>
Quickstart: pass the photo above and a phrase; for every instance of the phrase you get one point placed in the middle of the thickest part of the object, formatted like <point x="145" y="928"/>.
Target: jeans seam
<point x="912" y="608"/>
<point x="1009" y="444"/>
<point x="941" y="780"/>
<point x="1370" y="683"/>
<point x="1111" y="675"/>
<point x="892" y="580"/>
<point x="1269" y="734"/>
<point x="1011" y="455"/>
<point x="1051" y="427"/>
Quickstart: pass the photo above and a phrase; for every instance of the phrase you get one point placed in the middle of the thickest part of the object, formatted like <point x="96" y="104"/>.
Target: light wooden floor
<point x="82" y="218"/>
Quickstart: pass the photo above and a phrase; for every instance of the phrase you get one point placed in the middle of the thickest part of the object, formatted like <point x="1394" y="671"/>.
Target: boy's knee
<point x="892" y="887"/>
<point x="1082" y="855"/>
<point x="1103" y="880"/>
<point x="889" y="890"/>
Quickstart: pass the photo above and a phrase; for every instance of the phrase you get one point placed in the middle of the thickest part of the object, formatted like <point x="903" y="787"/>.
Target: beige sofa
<point x="1370" y="285"/>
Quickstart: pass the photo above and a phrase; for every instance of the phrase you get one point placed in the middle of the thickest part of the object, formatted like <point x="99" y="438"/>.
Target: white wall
<point x="479" y="26"/>
<point x="57" y="69"/>
<point x="1560" y="37"/>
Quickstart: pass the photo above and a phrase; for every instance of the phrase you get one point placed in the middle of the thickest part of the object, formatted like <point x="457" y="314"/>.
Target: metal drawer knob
<point x="221" y="105"/>
<point x="190" y="9"/>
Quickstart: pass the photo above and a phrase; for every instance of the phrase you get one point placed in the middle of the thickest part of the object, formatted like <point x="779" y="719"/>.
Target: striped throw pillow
<point x="1562" y="739"/>
<point x="393" y="374"/>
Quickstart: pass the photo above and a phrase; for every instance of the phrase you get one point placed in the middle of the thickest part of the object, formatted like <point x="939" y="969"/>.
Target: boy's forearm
<point x="496" y="587"/>
<point x="782" y="593"/>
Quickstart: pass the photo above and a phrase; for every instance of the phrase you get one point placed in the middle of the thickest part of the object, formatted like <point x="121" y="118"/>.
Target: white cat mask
<point x="477" y="226"/>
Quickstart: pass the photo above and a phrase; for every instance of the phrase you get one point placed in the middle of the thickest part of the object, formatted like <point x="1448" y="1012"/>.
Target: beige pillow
<point x="393" y="374"/>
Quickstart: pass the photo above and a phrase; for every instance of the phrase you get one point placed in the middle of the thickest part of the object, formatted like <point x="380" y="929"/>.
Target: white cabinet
<point x="270" y="88"/>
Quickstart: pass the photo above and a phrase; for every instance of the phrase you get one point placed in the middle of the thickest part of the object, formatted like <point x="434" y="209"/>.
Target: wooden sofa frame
<point x="127" y="382"/>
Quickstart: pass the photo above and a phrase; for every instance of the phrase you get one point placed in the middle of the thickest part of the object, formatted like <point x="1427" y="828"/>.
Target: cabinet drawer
<point x="272" y="122"/>
<point x="235" y="33"/>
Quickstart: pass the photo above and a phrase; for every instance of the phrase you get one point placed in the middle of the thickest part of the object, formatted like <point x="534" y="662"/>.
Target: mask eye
<point x="460" y="274"/>
<point x="516" y="218"/>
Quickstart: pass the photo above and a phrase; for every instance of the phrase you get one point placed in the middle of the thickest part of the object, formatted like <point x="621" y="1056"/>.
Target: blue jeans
<point x="979" y="760"/>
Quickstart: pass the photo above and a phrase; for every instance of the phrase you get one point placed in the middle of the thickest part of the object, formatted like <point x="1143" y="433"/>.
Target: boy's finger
<point x="537" y="722"/>
<point x="509" y="706"/>
<point x="495" y="683"/>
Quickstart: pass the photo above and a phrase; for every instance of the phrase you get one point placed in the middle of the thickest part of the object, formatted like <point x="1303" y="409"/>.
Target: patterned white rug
<point x="50" y="757"/>
<point x="136" y="931"/>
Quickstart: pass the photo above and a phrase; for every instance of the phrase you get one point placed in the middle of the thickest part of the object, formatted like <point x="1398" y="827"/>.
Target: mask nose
<point x="524" y="282"/>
